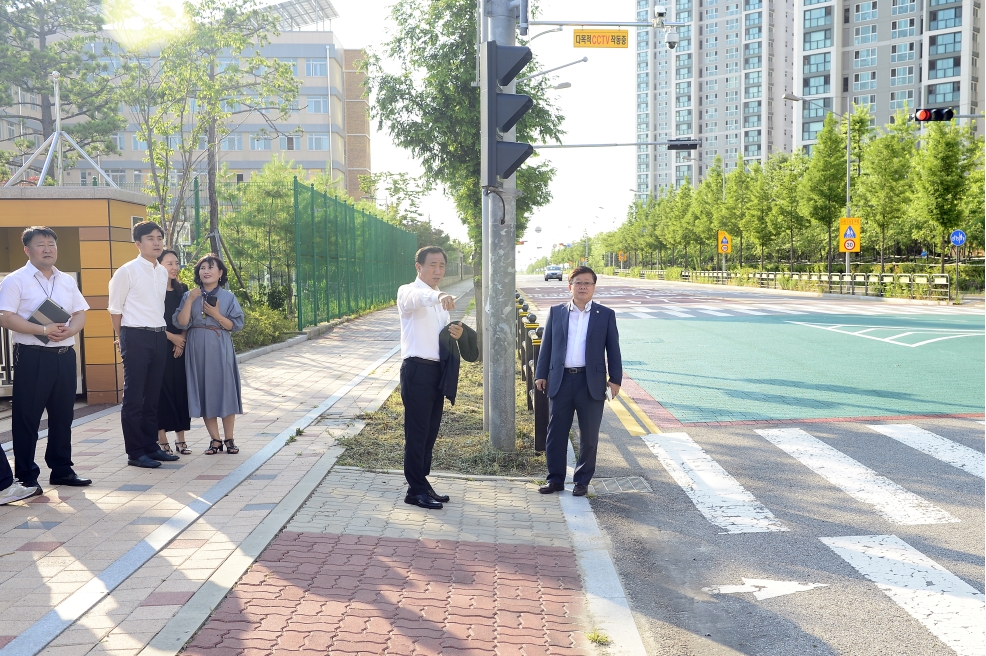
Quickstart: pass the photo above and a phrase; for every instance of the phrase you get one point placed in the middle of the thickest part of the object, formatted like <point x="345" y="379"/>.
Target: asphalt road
<point x="849" y="485"/>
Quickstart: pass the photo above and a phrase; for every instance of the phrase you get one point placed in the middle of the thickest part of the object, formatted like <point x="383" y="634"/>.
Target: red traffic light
<point x="922" y="115"/>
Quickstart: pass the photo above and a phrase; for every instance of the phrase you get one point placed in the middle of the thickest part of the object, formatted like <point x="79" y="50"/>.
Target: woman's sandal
<point x="215" y="446"/>
<point x="231" y="448"/>
<point x="164" y="446"/>
<point x="182" y="448"/>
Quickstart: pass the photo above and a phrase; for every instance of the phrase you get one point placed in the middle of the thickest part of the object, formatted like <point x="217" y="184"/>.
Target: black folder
<point x="49" y="312"/>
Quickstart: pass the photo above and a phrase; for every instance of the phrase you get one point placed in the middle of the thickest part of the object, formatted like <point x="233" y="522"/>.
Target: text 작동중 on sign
<point x="601" y="38"/>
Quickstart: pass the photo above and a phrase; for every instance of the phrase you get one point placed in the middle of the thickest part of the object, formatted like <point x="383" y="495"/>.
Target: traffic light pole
<point x="501" y="404"/>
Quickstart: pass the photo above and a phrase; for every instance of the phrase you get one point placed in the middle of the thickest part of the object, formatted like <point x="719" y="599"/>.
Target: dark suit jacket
<point x="602" y="344"/>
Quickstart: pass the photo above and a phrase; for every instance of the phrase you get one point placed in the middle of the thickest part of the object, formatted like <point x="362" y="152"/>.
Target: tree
<point x="737" y="198"/>
<point x="823" y="188"/>
<point x="403" y="205"/>
<point x="941" y="171"/>
<point x="884" y="187"/>
<point x="785" y="211"/>
<point x="754" y="220"/>
<point x="707" y="203"/>
<point x="41" y="37"/>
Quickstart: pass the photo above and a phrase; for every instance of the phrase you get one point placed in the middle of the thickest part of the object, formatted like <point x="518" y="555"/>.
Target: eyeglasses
<point x="583" y="284"/>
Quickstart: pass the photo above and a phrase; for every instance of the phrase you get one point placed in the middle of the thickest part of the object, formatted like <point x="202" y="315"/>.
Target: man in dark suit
<point x="580" y="339"/>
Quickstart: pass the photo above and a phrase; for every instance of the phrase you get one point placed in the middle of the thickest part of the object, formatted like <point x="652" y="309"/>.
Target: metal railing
<point x="528" y="338"/>
<point x="932" y="286"/>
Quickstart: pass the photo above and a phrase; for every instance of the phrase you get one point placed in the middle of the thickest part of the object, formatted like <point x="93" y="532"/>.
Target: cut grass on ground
<point x="462" y="446"/>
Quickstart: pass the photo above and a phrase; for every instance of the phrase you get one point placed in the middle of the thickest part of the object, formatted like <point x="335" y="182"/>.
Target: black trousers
<point x="43" y="380"/>
<point x="143" y="354"/>
<point x="423" y="405"/>
<point x="572" y="397"/>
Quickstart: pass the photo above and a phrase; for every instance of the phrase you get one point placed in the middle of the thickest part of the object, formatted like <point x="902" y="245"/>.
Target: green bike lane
<point x="808" y="366"/>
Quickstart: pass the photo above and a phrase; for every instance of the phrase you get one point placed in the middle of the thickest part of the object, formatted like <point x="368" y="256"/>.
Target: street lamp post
<point x="796" y="98"/>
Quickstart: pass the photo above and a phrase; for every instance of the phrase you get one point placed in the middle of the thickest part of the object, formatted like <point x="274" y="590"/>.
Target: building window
<point x="820" y="39"/>
<point x="118" y="176"/>
<point x="137" y="143"/>
<point x="901" y="99"/>
<point x="864" y="58"/>
<point x="753" y="91"/>
<point x="941" y="44"/>
<point x="316" y="67"/>
<point x="260" y="142"/>
<point x="939" y="68"/>
<point x="902" y="76"/>
<point x="816" y="108"/>
<point x="817" y="84"/>
<point x="683" y="68"/>
<point x="732" y="83"/>
<point x="318" y="104"/>
<point x="754" y="19"/>
<point x="865" y="11"/>
<point x="117" y="139"/>
<point x="864" y="81"/>
<point x="751" y="136"/>
<point x="138" y="177"/>
<point x="318" y="141"/>
<point x="232" y="142"/>
<point x="943" y="93"/>
<point x="712" y="85"/>
<point x="712" y="14"/>
<point x="820" y="63"/>
<point x="810" y="130"/>
<point x="752" y="121"/>
<point x="944" y="19"/>
<point x="291" y="142"/>
<point x="818" y="17"/>
<point x="869" y="101"/>
<point x="901" y="29"/>
<point x="712" y="28"/>
<point x="711" y="113"/>
<point x="865" y="34"/>
<point x="902" y="7"/>
<point x="902" y="52"/>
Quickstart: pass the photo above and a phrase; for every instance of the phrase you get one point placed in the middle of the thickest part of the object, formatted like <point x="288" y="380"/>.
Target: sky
<point x="593" y="186"/>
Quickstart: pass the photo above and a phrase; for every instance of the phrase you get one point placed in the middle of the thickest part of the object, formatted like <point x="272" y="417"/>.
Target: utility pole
<point x="483" y="303"/>
<point x="499" y="252"/>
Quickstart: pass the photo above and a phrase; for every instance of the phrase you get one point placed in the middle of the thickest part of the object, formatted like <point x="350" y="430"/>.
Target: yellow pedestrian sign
<point x="725" y="242"/>
<point x="849" y="235"/>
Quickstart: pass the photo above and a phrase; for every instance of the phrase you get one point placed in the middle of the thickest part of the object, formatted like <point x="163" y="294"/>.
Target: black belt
<point x="574" y="370"/>
<point x="423" y="361"/>
<point x="155" y="329"/>
<point x="51" y="349"/>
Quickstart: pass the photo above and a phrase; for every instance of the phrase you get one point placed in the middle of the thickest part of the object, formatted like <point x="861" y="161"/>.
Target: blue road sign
<point x="850" y="233"/>
<point x="957" y="237"/>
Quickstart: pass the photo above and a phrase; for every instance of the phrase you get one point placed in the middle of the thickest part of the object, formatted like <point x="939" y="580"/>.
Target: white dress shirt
<point x="422" y="318"/>
<point x="578" y="328"/>
<point x="27" y="288"/>
<point x="137" y="291"/>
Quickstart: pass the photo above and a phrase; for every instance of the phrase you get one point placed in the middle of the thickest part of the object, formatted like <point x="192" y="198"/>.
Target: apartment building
<point x="723" y="84"/>
<point x="328" y="126"/>
<point x="887" y="55"/>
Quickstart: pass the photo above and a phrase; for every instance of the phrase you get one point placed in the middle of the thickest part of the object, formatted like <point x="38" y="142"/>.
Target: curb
<point x="439" y="474"/>
<point x="605" y="598"/>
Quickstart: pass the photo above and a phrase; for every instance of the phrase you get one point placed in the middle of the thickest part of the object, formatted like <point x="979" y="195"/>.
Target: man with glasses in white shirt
<point x="580" y="343"/>
<point x="45" y="371"/>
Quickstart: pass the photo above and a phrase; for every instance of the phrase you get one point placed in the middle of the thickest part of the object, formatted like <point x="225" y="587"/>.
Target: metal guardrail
<point x="934" y="286"/>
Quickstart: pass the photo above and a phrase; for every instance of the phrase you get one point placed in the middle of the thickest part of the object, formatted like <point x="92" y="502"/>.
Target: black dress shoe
<point x="72" y="480"/>
<point x="143" y="461"/>
<point x="423" y="501"/>
<point x="162" y="456"/>
<point x="580" y="490"/>
<point x="444" y="498"/>
<point x="551" y="488"/>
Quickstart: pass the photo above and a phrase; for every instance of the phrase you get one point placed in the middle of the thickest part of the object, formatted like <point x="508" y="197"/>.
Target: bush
<point x="262" y="326"/>
<point x="673" y="273"/>
<point x="609" y="271"/>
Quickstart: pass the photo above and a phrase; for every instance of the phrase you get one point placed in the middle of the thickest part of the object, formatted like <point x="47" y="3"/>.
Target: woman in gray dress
<point x="210" y="314"/>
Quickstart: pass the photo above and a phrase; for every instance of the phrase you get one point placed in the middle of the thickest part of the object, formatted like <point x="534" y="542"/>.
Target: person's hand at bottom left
<point x="455" y="330"/>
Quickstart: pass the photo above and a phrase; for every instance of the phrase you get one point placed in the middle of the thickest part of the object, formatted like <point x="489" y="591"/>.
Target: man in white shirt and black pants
<point x="136" y="306"/>
<point x="45" y="372"/>
<point x="423" y="309"/>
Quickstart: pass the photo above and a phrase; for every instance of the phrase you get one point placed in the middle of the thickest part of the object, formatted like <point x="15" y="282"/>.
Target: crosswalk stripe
<point x="713" y="313"/>
<point x="855" y="479"/>
<point x="642" y="315"/>
<point x="935" y="446"/>
<point x="746" y="311"/>
<point x="946" y="605"/>
<point x="716" y="494"/>
<point x="675" y="313"/>
<point x="777" y="308"/>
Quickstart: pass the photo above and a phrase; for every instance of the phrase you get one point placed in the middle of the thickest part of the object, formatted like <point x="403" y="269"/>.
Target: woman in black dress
<point x="172" y="413"/>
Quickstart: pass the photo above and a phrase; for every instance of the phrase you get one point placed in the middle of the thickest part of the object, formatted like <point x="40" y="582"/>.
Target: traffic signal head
<point x="923" y="115"/>
<point x="501" y="111"/>
<point x="683" y="144"/>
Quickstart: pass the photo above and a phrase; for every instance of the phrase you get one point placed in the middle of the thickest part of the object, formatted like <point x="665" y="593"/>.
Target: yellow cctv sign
<point x="725" y="242"/>
<point x="849" y="234"/>
<point x="602" y="38"/>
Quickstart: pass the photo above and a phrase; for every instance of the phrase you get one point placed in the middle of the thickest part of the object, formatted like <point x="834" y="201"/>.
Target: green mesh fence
<point x="346" y="260"/>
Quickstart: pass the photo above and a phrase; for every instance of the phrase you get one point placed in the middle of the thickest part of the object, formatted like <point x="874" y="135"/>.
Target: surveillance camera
<point x="660" y="11"/>
<point x="672" y="39"/>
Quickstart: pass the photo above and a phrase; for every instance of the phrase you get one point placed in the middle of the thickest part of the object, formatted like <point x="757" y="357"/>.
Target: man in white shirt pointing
<point x="423" y="309"/>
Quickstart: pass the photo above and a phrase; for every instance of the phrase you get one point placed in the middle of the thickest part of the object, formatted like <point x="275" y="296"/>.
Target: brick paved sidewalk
<point x="357" y="571"/>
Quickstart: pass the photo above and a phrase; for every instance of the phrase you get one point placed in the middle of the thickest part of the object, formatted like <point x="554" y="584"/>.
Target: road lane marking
<point x="946" y="605"/>
<point x="626" y="418"/>
<point x="716" y="494"/>
<point x="639" y="414"/>
<point x="855" y="479"/>
<point x="764" y="588"/>
<point x="940" y="334"/>
<point x="936" y="446"/>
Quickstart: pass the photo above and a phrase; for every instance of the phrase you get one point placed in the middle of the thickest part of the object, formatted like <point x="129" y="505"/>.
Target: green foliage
<point x="262" y="326"/>
<point x="431" y="108"/>
<point x="823" y="187"/>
